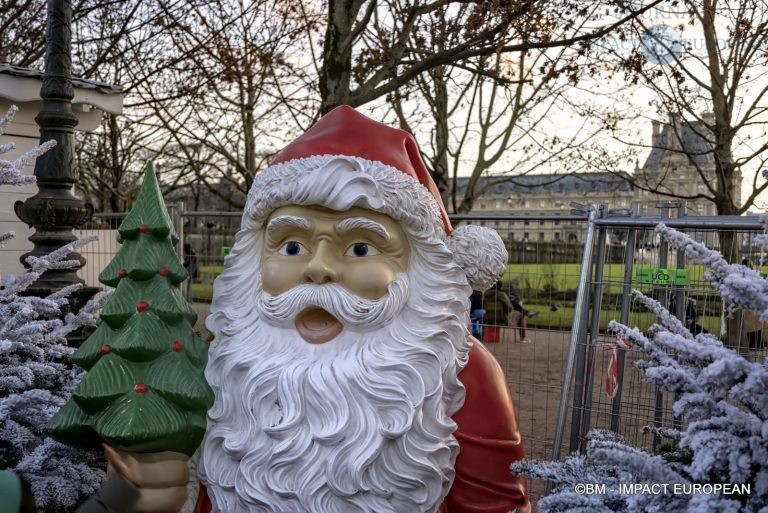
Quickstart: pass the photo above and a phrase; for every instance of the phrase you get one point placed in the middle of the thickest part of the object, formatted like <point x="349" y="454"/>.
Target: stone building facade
<point x="678" y="157"/>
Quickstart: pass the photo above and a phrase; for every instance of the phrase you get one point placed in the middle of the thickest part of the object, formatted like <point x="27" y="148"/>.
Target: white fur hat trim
<point x="340" y="182"/>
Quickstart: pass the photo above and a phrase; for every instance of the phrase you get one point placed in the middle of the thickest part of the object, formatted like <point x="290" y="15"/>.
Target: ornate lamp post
<point x="54" y="211"/>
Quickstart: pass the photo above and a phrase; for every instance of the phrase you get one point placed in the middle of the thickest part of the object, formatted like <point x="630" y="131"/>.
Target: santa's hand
<point x="162" y="478"/>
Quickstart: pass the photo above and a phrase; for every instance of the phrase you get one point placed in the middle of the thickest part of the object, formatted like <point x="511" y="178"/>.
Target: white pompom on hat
<point x="347" y="159"/>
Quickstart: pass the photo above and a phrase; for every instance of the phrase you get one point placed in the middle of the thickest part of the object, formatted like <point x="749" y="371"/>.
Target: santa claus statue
<point x="344" y="375"/>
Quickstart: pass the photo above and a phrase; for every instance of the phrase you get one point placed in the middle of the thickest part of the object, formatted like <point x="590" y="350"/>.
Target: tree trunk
<point x="248" y="124"/>
<point x="114" y="152"/>
<point x="723" y="154"/>
<point x="336" y="72"/>
<point x="440" y="163"/>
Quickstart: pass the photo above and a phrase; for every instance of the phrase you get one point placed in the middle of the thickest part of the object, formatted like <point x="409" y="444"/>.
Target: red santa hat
<point x="347" y="159"/>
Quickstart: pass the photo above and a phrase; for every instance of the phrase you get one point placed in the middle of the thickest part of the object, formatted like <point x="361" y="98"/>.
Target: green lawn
<point x="202" y="287"/>
<point x="539" y="280"/>
<point x="202" y="292"/>
<point x="540" y="277"/>
<point x="531" y="276"/>
<point x="563" y="318"/>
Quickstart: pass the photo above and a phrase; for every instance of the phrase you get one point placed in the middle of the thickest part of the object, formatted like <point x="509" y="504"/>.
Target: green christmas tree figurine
<point x="144" y="390"/>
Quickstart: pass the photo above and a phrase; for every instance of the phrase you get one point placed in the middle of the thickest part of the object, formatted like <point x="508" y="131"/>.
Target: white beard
<point x="359" y="424"/>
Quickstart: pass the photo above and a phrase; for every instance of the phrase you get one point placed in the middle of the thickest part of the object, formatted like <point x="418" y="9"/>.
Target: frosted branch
<point x="11" y="170"/>
<point x="739" y="286"/>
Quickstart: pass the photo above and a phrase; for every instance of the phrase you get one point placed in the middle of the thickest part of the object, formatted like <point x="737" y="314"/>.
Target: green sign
<point x="656" y="276"/>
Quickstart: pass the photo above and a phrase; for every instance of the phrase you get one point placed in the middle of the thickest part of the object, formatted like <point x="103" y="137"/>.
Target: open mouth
<point x="317" y="326"/>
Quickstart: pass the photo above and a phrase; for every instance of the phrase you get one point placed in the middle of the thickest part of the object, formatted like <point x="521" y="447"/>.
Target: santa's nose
<point x="322" y="267"/>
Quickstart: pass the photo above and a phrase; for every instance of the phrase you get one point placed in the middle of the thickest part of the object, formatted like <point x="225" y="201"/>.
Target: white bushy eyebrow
<point x="362" y="223"/>
<point x="279" y="222"/>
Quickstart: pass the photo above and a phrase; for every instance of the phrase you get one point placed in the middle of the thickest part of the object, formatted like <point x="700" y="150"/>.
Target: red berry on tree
<point x="140" y="388"/>
<point x="143" y="228"/>
<point x="142" y="306"/>
<point x="176" y="346"/>
<point x="122" y="273"/>
<point x="164" y="270"/>
<point x="105" y="349"/>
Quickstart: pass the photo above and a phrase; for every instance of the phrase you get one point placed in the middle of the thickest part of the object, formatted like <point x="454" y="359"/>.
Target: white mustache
<point x="353" y="311"/>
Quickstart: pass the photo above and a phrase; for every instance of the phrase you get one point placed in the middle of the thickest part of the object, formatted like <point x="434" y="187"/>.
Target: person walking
<point x="503" y="310"/>
<point x="477" y="314"/>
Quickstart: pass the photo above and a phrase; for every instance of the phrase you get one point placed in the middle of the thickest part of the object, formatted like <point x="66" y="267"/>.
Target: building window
<point x="543" y="203"/>
<point x="498" y="205"/>
<point x="557" y="235"/>
<point x="525" y="236"/>
<point x="541" y="223"/>
<point x="700" y="187"/>
<point x="541" y="236"/>
<point x="623" y="203"/>
<point x="482" y="205"/>
<point x="526" y="222"/>
<point x="482" y="223"/>
<point x="700" y="209"/>
<point x="527" y="204"/>
<point x="557" y="223"/>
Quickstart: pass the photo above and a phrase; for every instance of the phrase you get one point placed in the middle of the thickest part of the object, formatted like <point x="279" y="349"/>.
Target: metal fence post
<point x="680" y="298"/>
<point x="658" y="406"/>
<point x="176" y="211"/>
<point x="629" y="260"/>
<point x="177" y="217"/>
<point x="579" y="320"/>
<point x="594" y="331"/>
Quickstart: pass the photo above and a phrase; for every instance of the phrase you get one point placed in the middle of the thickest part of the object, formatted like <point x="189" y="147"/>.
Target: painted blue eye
<point x="361" y="249"/>
<point x="292" y="248"/>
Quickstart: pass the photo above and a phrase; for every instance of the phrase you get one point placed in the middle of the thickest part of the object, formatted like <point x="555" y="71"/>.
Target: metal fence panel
<point x="612" y="393"/>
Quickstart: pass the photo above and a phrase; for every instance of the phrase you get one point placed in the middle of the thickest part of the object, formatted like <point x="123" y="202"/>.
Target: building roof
<point x="22" y="86"/>
<point x="679" y="141"/>
<point x="16" y="71"/>
<point x="548" y="184"/>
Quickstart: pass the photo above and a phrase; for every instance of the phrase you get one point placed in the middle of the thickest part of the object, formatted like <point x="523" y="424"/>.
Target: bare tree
<point x="120" y="43"/>
<point x="241" y="89"/>
<point x="485" y="113"/>
<point x="705" y="79"/>
<point x="698" y="71"/>
<point x="368" y="51"/>
<point x="109" y="161"/>
<point x="22" y="32"/>
<point x="130" y="44"/>
<point x="214" y="88"/>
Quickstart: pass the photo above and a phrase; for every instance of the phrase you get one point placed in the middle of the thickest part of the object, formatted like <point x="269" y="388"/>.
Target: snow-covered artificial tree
<point x="722" y="400"/>
<point x="35" y="376"/>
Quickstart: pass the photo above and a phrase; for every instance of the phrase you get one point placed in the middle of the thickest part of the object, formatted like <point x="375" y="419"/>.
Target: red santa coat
<point x="489" y="441"/>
